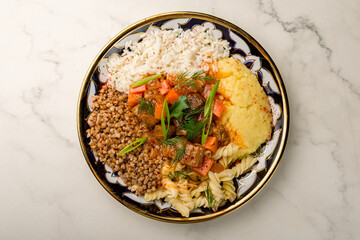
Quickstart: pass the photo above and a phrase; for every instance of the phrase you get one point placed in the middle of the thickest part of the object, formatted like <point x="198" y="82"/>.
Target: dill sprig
<point x="146" y="106"/>
<point x="182" y="173"/>
<point x="209" y="197"/>
<point x="173" y="141"/>
<point x="179" y="152"/>
<point x="194" y="80"/>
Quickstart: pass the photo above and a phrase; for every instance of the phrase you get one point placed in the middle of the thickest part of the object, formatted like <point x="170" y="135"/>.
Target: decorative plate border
<point x="244" y="48"/>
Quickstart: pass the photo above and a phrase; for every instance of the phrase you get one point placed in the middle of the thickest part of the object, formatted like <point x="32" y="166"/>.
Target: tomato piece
<point x="134" y="99"/>
<point x="211" y="144"/>
<point x="218" y="108"/>
<point x="139" y="89"/>
<point x="165" y="87"/>
<point x="158" y="111"/>
<point x="204" y="168"/>
<point x="172" y="96"/>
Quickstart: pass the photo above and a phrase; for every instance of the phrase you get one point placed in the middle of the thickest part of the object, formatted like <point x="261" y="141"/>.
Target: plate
<point x="243" y="47"/>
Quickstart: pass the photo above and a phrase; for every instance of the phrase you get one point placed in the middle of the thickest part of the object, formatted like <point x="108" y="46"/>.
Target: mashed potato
<point x="247" y="115"/>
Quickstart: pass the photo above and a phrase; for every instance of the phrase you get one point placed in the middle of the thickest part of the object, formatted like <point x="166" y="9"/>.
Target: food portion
<point x="173" y="51"/>
<point x="247" y="114"/>
<point x="179" y="119"/>
<point x="112" y="128"/>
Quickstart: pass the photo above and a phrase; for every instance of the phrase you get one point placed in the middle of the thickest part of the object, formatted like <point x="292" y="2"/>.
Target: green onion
<point x="210" y="100"/>
<point x="165" y="128"/>
<point x="208" y="111"/>
<point x="146" y="80"/>
<point x="131" y="146"/>
<point x="205" y="133"/>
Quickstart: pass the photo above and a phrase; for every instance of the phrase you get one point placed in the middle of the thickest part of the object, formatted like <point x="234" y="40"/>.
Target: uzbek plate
<point x="244" y="48"/>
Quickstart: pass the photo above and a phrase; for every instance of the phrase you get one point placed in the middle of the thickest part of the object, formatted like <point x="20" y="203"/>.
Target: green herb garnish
<point x="257" y="153"/>
<point x="165" y="128"/>
<point x="208" y="110"/>
<point x="189" y="115"/>
<point x="210" y="100"/>
<point x="209" y="197"/>
<point x="146" y="106"/>
<point x="190" y="124"/>
<point x="194" y="128"/>
<point x="179" y="153"/>
<point x="182" y="173"/>
<point x="146" y="80"/>
<point x="192" y="81"/>
<point x="173" y="141"/>
<point x="131" y="146"/>
<point x="176" y="110"/>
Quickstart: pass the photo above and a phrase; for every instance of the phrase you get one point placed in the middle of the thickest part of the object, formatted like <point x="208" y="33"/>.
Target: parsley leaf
<point x="189" y="114"/>
<point x="176" y="110"/>
<point x="194" y="128"/>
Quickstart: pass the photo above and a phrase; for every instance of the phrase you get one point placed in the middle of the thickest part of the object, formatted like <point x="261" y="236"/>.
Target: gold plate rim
<point x="278" y="79"/>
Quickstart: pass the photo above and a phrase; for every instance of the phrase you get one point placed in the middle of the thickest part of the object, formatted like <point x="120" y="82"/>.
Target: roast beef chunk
<point x="181" y="132"/>
<point x="170" y="150"/>
<point x="194" y="155"/>
<point x="158" y="133"/>
<point x="218" y="130"/>
<point x="195" y="100"/>
<point x="148" y="119"/>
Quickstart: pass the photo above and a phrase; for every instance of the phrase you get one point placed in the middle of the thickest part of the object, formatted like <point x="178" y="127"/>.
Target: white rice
<point x="168" y="51"/>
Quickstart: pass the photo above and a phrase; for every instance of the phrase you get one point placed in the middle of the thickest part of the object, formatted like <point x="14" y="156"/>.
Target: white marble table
<point x="47" y="189"/>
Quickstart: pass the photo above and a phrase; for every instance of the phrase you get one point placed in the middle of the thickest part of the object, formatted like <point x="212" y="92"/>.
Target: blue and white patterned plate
<point x="244" y="48"/>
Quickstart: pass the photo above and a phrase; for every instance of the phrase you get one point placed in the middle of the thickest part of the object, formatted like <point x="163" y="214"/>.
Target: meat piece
<point x="148" y="119"/>
<point x="153" y="84"/>
<point x="194" y="155"/>
<point x="181" y="132"/>
<point x="170" y="150"/>
<point x="219" y="131"/>
<point x="184" y="90"/>
<point x="154" y="95"/>
<point x="204" y="168"/>
<point x="172" y="131"/>
<point x="197" y="139"/>
<point x="195" y="100"/>
<point x="176" y="122"/>
<point x="207" y="90"/>
<point x="158" y="133"/>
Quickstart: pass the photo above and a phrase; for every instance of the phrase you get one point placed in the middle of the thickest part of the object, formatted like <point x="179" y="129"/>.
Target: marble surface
<point x="47" y="189"/>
